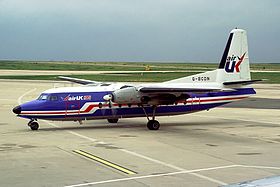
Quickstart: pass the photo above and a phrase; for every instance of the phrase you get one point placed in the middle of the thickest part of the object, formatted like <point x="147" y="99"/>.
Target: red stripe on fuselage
<point x="220" y="99"/>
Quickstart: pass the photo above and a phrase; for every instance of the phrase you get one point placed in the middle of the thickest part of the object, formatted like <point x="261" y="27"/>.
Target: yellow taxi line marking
<point x="105" y="162"/>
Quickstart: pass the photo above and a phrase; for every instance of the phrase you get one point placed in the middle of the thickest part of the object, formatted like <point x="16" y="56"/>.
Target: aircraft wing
<point x="169" y="88"/>
<point x="79" y="81"/>
<point x="160" y="94"/>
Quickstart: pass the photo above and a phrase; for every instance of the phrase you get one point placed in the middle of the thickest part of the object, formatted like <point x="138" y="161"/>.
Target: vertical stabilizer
<point x="234" y="65"/>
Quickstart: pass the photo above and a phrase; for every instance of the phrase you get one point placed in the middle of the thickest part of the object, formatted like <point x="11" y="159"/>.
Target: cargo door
<point x="195" y="104"/>
<point x="72" y="109"/>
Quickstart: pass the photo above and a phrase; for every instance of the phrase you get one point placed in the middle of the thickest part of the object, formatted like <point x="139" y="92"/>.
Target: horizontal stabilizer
<point x="241" y="82"/>
<point x="169" y="89"/>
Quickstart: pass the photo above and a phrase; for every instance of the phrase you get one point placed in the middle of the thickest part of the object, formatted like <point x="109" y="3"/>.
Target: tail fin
<point x="234" y="65"/>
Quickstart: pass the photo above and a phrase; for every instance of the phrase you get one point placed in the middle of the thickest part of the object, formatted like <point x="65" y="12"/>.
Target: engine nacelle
<point x="128" y="95"/>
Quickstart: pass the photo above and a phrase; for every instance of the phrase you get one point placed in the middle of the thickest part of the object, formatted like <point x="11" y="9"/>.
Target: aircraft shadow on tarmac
<point x="131" y="124"/>
<point x="256" y="103"/>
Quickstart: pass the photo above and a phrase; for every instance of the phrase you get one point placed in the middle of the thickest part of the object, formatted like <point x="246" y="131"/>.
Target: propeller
<point x="109" y="98"/>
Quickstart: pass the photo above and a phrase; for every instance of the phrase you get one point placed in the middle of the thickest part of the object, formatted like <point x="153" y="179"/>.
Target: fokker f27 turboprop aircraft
<point x="112" y="101"/>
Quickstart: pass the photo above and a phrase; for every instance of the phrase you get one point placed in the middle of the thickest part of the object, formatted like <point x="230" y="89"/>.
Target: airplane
<point x="112" y="101"/>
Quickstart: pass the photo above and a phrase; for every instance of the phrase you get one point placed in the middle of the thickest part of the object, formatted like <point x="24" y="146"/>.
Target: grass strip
<point x="272" y="78"/>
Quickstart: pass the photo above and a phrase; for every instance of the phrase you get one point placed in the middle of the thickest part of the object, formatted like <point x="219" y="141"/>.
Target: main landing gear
<point x="152" y="123"/>
<point x="34" y="125"/>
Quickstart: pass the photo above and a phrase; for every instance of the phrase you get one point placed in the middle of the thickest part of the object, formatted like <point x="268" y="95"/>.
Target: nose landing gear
<point x="34" y="125"/>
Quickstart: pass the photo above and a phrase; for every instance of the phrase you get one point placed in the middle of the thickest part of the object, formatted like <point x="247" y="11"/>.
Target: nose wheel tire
<point x="153" y="125"/>
<point x="33" y="125"/>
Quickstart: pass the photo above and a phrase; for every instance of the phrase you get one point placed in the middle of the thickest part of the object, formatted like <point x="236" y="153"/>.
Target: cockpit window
<point x="48" y="97"/>
<point x="43" y="97"/>
<point x="52" y="98"/>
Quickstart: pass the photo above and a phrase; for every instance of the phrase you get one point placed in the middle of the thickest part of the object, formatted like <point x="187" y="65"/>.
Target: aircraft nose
<point x="17" y="110"/>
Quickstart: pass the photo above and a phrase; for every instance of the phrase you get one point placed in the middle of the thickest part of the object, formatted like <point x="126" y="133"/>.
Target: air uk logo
<point x="233" y="63"/>
<point x="77" y="98"/>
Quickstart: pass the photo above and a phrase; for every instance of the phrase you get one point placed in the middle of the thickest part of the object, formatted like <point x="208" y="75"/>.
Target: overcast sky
<point x="136" y="30"/>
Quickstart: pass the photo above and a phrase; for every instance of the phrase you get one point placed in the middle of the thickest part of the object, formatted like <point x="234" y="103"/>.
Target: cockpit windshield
<point x="43" y="97"/>
<point x="48" y="97"/>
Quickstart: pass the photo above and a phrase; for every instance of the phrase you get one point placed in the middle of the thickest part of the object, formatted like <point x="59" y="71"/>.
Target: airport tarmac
<point x="225" y="145"/>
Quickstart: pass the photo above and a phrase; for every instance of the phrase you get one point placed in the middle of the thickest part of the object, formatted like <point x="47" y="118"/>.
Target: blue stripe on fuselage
<point x="133" y="112"/>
